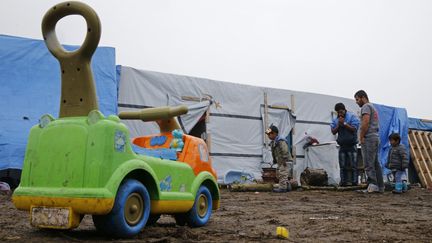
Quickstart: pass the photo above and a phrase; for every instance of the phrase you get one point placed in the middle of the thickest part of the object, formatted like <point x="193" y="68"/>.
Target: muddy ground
<point x="310" y="216"/>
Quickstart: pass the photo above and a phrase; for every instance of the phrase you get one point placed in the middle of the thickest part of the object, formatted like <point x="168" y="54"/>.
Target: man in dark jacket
<point x="397" y="162"/>
<point x="346" y="125"/>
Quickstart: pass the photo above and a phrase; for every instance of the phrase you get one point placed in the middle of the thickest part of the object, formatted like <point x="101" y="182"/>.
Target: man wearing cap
<point x="282" y="157"/>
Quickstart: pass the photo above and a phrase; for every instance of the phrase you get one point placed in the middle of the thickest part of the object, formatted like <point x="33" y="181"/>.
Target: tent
<point x="30" y="87"/>
<point x="230" y="117"/>
<point x="236" y="115"/>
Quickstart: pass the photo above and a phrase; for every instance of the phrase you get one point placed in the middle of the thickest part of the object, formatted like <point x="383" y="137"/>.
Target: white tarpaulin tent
<point x="235" y="115"/>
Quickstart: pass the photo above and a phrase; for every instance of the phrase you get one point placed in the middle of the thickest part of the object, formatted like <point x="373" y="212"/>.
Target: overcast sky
<point x="319" y="46"/>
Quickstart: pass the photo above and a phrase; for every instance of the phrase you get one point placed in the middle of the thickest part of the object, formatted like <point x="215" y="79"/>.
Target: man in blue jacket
<point x="346" y="125"/>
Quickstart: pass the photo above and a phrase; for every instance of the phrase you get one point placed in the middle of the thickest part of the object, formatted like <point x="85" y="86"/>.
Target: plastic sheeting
<point x="419" y="124"/>
<point x="235" y="126"/>
<point x="324" y="156"/>
<point x="281" y="118"/>
<point x="195" y="112"/>
<point x="30" y="87"/>
<point x="392" y="120"/>
<point x="284" y="120"/>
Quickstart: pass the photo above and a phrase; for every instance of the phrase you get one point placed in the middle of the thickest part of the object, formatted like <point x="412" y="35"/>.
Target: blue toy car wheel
<point x="201" y="211"/>
<point x="130" y="212"/>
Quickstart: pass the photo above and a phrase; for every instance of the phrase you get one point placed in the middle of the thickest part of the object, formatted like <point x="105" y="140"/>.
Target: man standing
<point x="282" y="157"/>
<point x="369" y="140"/>
<point x="346" y="125"/>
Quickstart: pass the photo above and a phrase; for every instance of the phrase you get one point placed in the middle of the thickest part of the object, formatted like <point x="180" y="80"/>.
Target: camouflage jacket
<point x="280" y="151"/>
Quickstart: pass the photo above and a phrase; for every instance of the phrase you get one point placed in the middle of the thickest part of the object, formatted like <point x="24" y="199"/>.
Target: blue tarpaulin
<point x="420" y="124"/>
<point x="30" y="86"/>
<point x="391" y="120"/>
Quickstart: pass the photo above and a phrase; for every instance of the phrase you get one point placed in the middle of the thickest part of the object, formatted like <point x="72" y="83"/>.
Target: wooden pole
<point x="265" y="120"/>
<point x="293" y="129"/>
<point x="251" y="187"/>
<point x="294" y="151"/>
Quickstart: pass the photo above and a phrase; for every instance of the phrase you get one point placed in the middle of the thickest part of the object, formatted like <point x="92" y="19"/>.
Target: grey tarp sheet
<point x="284" y="120"/>
<point x="195" y="112"/>
<point x="235" y="124"/>
<point x="323" y="156"/>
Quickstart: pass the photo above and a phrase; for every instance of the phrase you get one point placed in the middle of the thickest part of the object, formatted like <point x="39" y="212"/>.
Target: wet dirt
<point x="309" y="216"/>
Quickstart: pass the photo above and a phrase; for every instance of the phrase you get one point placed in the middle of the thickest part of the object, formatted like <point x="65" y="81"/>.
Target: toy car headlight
<point x="94" y="116"/>
<point x="45" y="120"/>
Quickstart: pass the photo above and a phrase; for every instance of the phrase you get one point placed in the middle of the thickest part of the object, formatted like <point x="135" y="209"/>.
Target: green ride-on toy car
<point x="85" y="163"/>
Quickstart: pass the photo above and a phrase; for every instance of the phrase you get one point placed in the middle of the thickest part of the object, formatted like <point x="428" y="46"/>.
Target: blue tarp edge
<point x="420" y="124"/>
<point x="30" y="87"/>
<point x="392" y="119"/>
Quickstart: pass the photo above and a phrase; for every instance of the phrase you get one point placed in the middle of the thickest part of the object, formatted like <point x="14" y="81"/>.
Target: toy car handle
<point x="164" y="116"/>
<point x="78" y="95"/>
<point x="154" y="114"/>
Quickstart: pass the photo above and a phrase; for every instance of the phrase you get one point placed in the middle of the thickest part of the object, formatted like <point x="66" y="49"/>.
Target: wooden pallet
<point x="421" y="154"/>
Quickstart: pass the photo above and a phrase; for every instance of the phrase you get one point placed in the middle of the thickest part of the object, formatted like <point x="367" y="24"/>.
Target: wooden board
<point x="421" y="153"/>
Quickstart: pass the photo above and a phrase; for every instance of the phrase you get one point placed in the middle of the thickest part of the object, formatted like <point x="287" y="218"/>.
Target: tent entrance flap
<point x="193" y="122"/>
<point x="281" y="117"/>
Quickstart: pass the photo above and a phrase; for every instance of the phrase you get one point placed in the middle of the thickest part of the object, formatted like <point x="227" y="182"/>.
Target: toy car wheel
<point x="130" y="212"/>
<point x="153" y="218"/>
<point x="201" y="211"/>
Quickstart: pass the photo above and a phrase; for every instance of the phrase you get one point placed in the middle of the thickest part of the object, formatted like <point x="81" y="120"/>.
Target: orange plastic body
<point x="194" y="153"/>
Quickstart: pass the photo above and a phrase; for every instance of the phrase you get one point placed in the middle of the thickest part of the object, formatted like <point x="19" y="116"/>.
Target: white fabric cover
<point x="236" y="115"/>
<point x="323" y="156"/>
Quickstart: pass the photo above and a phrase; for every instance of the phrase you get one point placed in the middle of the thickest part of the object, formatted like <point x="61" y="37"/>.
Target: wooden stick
<point x="335" y="188"/>
<point x="251" y="187"/>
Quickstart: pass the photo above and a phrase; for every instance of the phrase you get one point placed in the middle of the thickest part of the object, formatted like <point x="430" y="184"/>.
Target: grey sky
<point x="319" y="46"/>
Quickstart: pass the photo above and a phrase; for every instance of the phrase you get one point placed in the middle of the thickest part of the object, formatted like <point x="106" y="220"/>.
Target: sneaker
<point x="279" y="190"/>
<point x="396" y="192"/>
<point x="373" y="188"/>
